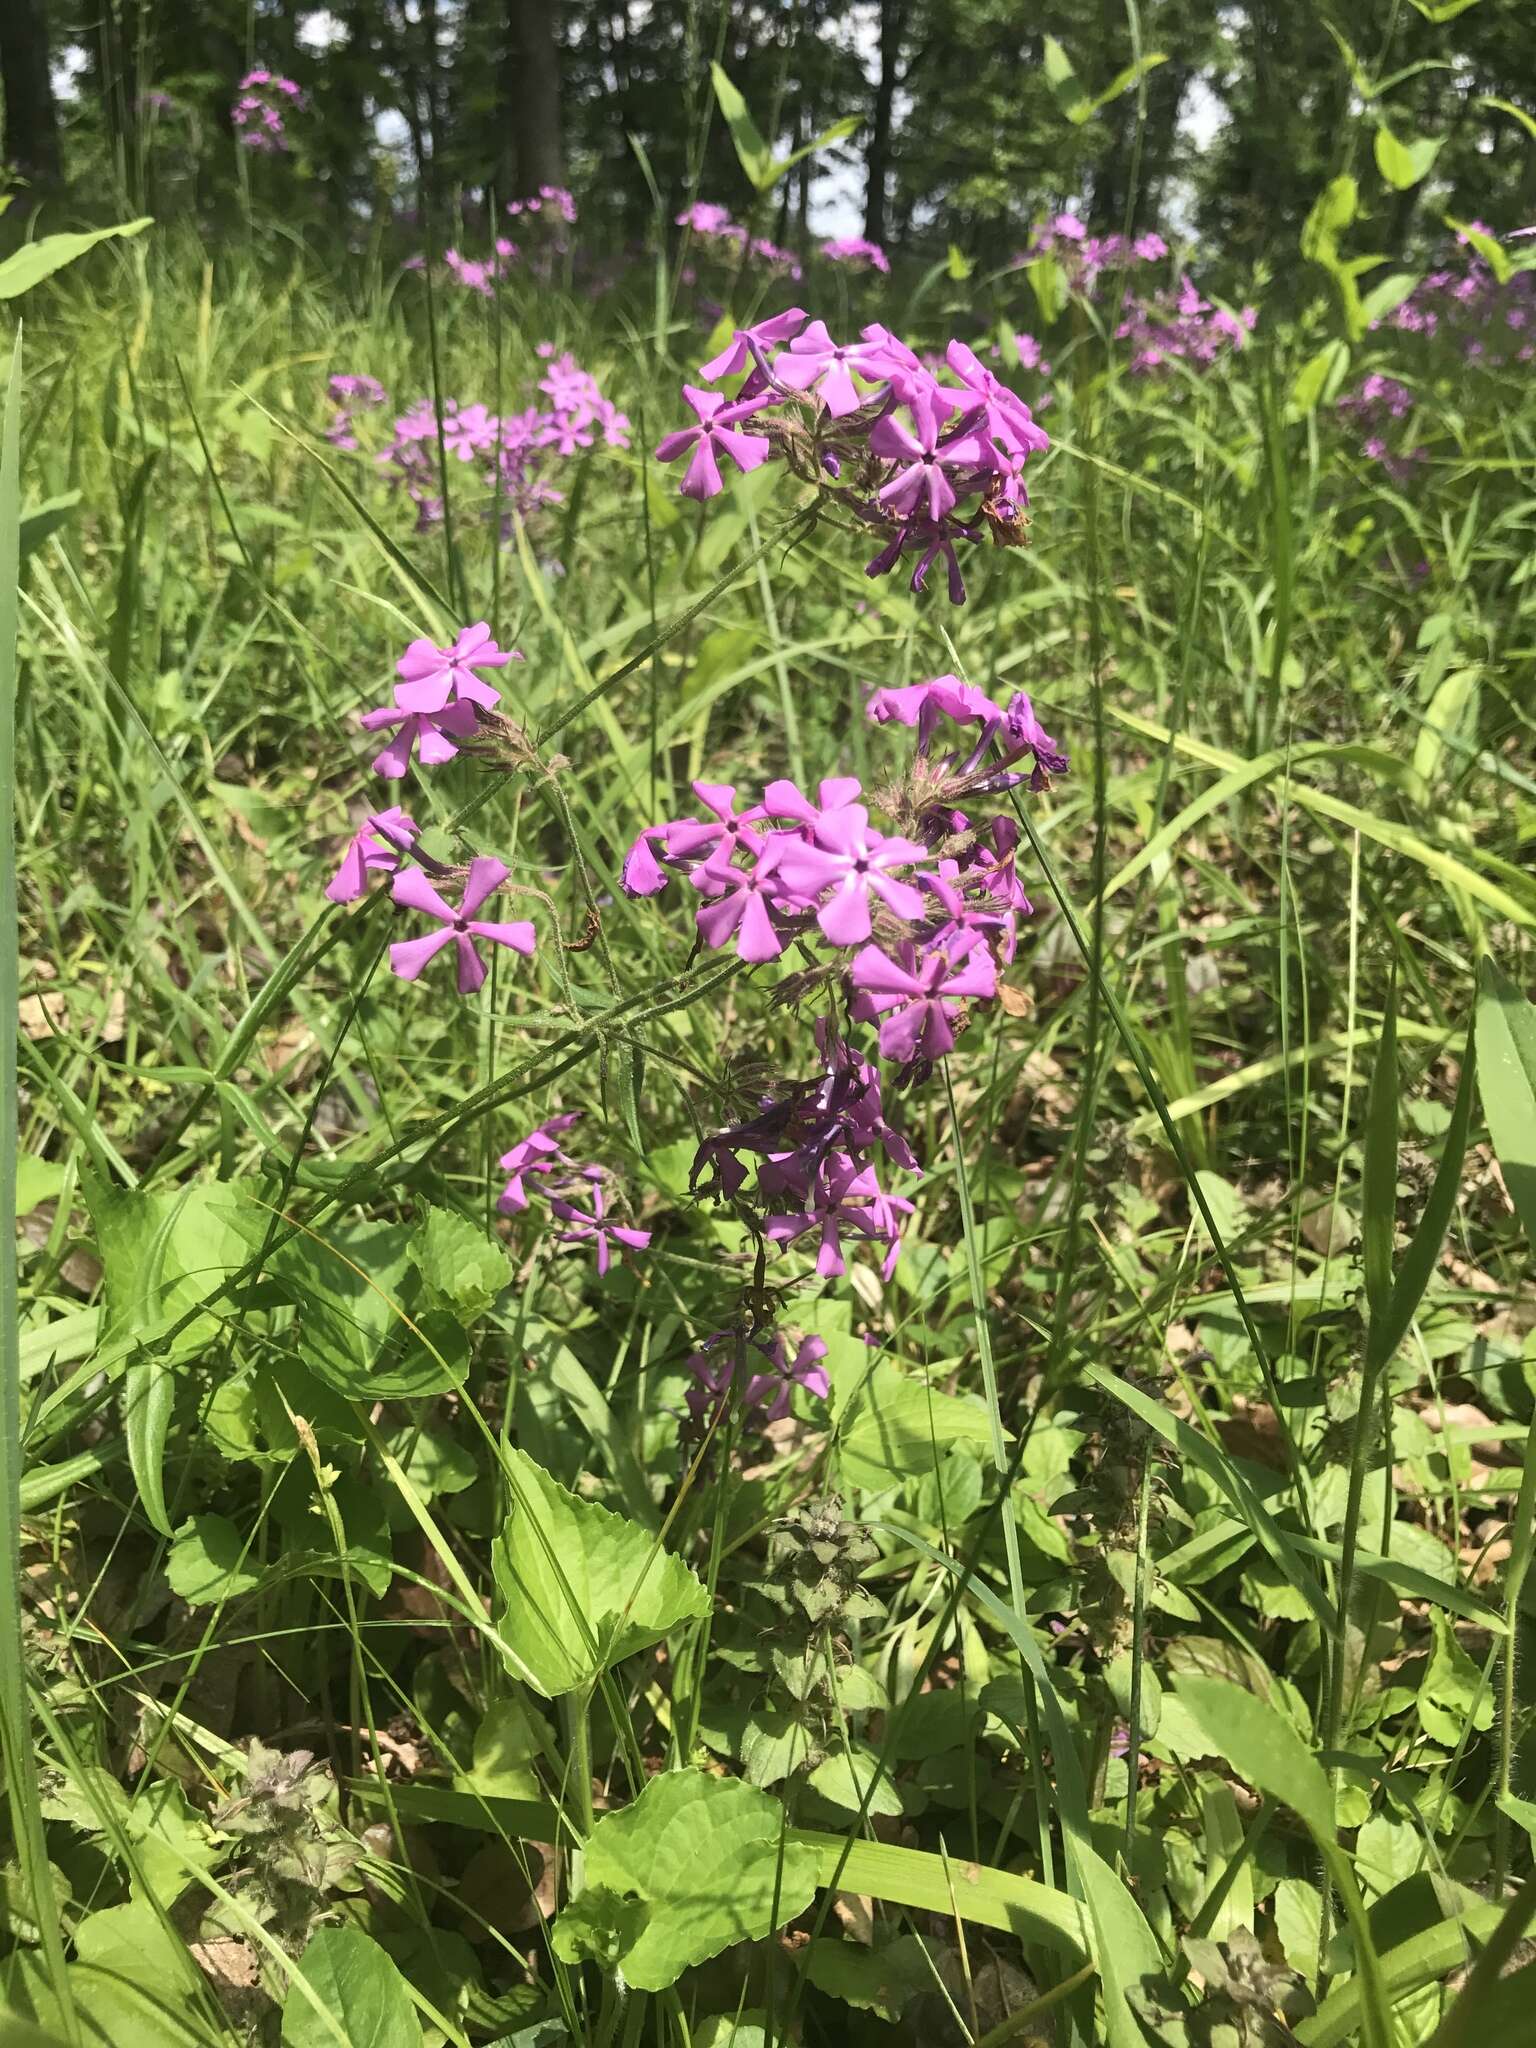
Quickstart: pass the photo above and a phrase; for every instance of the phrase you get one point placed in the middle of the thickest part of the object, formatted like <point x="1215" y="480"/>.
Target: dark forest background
<point x="129" y="100"/>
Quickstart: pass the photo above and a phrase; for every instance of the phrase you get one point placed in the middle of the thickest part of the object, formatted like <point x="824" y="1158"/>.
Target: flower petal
<point x="412" y="888"/>
<point x="408" y="958"/>
<point x="485" y="877"/>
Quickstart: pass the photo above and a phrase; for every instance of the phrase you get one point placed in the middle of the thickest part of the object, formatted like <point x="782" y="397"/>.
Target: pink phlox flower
<point x="470" y="431"/>
<point x="784" y="799"/>
<point x="1008" y="419"/>
<point x="1023" y="733"/>
<point x="716" y="433"/>
<point x="748" y="345"/>
<point x="926" y="457"/>
<point x="924" y="704"/>
<point x="359" y="389"/>
<point x="915" y="995"/>
<point x="771" y="1375"/>
<point x="815" y="362"/>
<point x="847" y="864"/>
<point x="718" y="838"/>
<point x="432" y="734"/>
<point x="460" y="927"/>
<point x="594" y="1227"/>
<point x="705" y="218"/>
<point x="432" y="677"/>
<point x="846" y="1196"/>
<point x="384" y="837"/>
<point x="854" y="249"/>
<point x="539" y="1152"/>
<point x="739" y="903"/>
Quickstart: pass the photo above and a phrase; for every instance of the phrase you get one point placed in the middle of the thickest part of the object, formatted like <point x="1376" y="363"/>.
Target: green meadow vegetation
<point x="1120" y="1631"/>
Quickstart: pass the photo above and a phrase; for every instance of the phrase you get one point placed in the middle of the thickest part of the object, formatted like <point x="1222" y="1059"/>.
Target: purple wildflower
<point x="461" y="927"/>
<point x="385" y="836"/>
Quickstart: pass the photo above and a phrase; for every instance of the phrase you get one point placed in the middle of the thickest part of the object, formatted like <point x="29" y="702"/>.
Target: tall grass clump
<point x="776" y="1144"/>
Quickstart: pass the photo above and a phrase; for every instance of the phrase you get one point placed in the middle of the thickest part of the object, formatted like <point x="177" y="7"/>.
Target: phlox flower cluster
<point x="1170" y="327"/>
<point x="773" y="1369"/>
<point x="1085" y="257"/>
<point x="856" y="254"/>
<point x="553" y="202"/>
<point x="713" y="226"/>
<point x="1378" y="402"/>
<point x="1493" y="324"/>
<point x="900" y="932"/>
<point x="479" y="274"/>
<point x="922" y="460"/>
<point x="516" y="457"/>
<point x="259" y="108"/>
<point x="440" y="702"/>
<point x="579" y="1195"/>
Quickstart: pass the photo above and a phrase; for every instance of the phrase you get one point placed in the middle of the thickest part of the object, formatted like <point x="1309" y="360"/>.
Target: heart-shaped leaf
<point x="581" y="1587"/>
<point x="361" y="1995"/>
<point x="696" y="1864"/>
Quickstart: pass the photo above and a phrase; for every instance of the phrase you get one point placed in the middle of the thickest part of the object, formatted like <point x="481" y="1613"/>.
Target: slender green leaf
<point x="30" y="265"/>
<point x="1506" y="1057"/>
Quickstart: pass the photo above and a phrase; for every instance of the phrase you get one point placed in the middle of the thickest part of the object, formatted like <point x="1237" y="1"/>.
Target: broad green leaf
<point x="1320" y="376"/>
<point x="1131" y="75"/>
<point x="1443" y="10"/>
<point x="1506" y="1080"/>
<point x="1443" y="720"/>
<point x="845" y="1778"/>
<point x="1422" y="1253"/>
<point x="1403" y="164"/>
<point x="30" y="265"/>
<point x="462" y="1270"/>
<point x="1487" y="246"/>
<point x="755" y="155"/>
<point x="364" y="1326"/>
<point x="162" y="1255"/>
<point x="1453" y="1695"/>
<point x="1261" y="1746"/>
<point x="1128" y="1955"/>
<point x="580" y="1587"/>
<point x="897" y="1427"/>
<point x="361" y="1996"/>
<point x="208" y="1562"/>
<point x="885" y="1870"/>
<point x="1387" y="296"/>
<point x="883" y="1980"/>
<point x="694" y="1865"/>
<point x="1068" y="90"/>
<point x="45" y="519"/>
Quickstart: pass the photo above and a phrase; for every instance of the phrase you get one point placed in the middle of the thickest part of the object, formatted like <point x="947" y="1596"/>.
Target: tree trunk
<point x="530" y="97"/>
<point x="877" y="157"/>
<point x="31" y="120"/>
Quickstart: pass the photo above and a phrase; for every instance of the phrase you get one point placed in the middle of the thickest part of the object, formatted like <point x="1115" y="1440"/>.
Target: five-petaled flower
<point x="916" y="996"/>
<point x="432" y="677"/>
<point x="717" y="433"/>
<point x="460" y="927"/>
